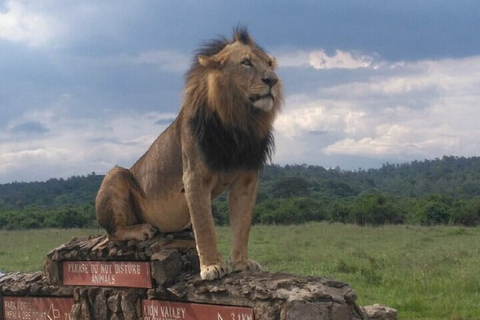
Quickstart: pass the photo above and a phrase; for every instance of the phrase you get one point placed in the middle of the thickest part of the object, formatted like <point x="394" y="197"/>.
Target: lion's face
<point x="252" y="72"/>
<point x="245" y="71"/>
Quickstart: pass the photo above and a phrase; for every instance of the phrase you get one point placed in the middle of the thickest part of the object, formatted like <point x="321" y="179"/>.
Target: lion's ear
<point x="208" y="62"/>
<point x="273" y="61"/>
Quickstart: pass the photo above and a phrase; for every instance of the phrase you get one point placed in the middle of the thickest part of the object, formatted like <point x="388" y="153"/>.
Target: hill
<point x="451" y="176"/>
<point x="52" y="193"/>
<point x="426" y="192"/>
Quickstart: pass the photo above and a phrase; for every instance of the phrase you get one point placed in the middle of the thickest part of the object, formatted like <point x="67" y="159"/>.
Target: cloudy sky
<point x="86" y="85"/>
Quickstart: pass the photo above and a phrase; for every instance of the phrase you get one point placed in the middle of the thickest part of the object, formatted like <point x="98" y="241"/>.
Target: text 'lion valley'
<point x="168" y="310"/>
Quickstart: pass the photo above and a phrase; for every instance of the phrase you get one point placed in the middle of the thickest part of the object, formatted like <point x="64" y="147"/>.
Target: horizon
<point x="93" y="173"/>
<point x="88" y="85"/>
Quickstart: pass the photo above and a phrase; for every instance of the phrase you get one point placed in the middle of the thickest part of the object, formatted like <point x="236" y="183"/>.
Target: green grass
<point x="26" y="250"/>
<point x="424" y="272"/>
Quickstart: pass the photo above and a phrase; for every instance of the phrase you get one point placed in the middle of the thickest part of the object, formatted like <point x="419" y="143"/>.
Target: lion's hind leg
<point x="118" y="207"/>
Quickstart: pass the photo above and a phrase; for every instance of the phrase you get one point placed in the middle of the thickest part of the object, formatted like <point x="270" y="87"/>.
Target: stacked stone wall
<point x="158" y="279"/>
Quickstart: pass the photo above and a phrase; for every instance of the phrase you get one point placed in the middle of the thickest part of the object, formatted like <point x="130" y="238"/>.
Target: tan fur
<point x="172" y="185"/>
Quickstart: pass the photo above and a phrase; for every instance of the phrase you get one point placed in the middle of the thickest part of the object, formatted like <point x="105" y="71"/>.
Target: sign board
<point x="21" y="308"/>
<point x="107" y="274"/>
<point x="167" y="310"/>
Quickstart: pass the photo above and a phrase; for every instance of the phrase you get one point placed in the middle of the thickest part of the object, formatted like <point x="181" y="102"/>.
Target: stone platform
<point x="102" y="268"/>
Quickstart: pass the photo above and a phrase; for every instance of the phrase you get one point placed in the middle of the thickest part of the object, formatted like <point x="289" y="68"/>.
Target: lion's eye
<point x="246" y="63"/>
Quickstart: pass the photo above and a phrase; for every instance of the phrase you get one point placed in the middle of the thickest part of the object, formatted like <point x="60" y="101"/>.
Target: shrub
<point x="289" y="211"/>
<point x="467" y="214"/>
<point x="376" y="208"/>
<point x="67" y="218"/>
<point x="435" y="209"/>
<point x="220" y="212"/>
<point x="339" y="211"/>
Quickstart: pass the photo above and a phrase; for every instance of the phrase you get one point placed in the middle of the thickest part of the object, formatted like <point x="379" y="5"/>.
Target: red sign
<point x="167" y="310"/>
<point x="107" y="274"/>
<point x="20" y="308"/>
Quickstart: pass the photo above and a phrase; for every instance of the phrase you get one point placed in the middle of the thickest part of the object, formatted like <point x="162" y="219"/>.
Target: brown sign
<point x="167" y="310"/>
<point x="20" y="308"/>
<point x="107" y="274"/>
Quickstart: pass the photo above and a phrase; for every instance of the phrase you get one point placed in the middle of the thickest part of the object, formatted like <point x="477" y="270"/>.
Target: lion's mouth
<point x="257" y="97"/>
<point x="263" y="102"/>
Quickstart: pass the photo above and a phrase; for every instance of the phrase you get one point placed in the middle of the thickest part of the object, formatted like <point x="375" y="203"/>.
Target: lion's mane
<point x="231" y="132"/>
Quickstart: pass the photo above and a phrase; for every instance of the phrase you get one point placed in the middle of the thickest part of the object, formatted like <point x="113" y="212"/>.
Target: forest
<point x="430" y="192"/>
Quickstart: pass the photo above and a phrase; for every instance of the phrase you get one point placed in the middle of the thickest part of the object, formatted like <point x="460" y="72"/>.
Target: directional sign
<point x="168" y="310"/>
<point x="22" y="308"/>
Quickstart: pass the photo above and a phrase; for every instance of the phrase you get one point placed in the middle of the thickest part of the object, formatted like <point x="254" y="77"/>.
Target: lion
<point x="220" y="140"/>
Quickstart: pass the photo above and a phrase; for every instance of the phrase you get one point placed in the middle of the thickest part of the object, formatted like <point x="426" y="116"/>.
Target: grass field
<point x="424" y="272"/>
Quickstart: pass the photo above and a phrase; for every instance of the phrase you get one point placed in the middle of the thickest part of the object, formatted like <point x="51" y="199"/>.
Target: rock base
<point x="174" y="271"/>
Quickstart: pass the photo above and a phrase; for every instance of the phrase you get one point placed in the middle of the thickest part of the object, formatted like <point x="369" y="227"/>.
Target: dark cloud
<point x="318" y="133"/>
<point x="95" y="62"/>
<point x="29" y="128"/>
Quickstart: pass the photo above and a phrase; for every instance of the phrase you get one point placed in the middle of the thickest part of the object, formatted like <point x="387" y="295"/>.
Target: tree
<point x="68" y="218"/>
<point x="290" y="187"/>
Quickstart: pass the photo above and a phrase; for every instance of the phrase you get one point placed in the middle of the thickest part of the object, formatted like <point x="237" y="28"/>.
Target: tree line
<point x="429" y="192"/>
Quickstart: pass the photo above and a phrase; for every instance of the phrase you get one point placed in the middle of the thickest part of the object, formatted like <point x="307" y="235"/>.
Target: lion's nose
<point x="270" y="78"/>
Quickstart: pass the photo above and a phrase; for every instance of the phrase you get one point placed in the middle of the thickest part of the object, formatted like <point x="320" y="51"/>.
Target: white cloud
<point x="340" y="60"/>
<point x="321" y="60"/>
<point x="76" y="146"/>
<point x="302" y="117"/>
<point x="397" y="140"/>
<point x="293" y="59"/>
<point x="21" y="23"/>
<point x="396" y="112"/>
<point x="425" y="109"/>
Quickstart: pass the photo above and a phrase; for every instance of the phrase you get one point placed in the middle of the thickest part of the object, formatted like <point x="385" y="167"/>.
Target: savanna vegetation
<point x="426" y="272"/>
<point x="432" y="192"/>
<point x="401" y="235"/>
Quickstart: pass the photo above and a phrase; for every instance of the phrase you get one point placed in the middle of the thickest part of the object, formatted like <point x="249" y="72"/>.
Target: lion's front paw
<point x="138" y="232"/>
<point x="147" y="232"/>
<point x="141" y="232"/>
<point x="215" y="271"/>
<point x="246" y="265"/>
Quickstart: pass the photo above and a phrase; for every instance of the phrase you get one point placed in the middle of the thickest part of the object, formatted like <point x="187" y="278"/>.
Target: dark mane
<point x="231" y="133"/>
<point x="212" y="47"/>
<point x="224" y="148"/>
<point x="241" y="34"/>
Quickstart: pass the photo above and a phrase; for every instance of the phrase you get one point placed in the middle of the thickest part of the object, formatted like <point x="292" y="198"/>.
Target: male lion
<point x="220" y="140"/>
